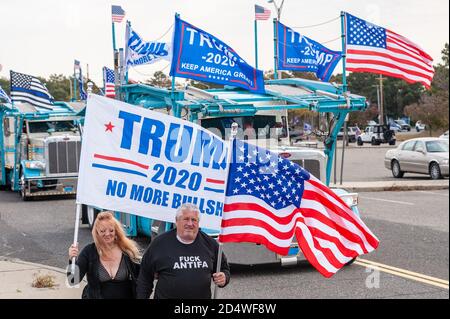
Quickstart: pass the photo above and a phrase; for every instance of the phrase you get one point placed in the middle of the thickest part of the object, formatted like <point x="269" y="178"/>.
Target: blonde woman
<point x="110" y="263"/>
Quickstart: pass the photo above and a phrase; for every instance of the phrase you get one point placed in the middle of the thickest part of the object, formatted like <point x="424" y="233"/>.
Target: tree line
<point x="400" y="97"/>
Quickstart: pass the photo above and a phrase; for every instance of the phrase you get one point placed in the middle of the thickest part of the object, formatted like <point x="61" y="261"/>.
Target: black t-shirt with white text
<point x="184" y="270"/>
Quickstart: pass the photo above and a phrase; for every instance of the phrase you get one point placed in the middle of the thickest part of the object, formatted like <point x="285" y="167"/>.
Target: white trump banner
<point x="147" y="163"/>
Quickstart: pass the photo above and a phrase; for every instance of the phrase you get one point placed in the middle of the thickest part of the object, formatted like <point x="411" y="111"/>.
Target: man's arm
<point x="145" y="279"/>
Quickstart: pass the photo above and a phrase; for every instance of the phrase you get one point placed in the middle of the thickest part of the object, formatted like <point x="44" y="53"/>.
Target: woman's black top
<point x="117" y="287"/>
<point x="89" y="265"/>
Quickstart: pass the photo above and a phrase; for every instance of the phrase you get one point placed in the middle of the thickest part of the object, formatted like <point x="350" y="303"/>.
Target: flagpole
<point x="113" y="36"/>
<point x="275" y="55"/>
<point x="344" y="52"/>
<point x="75" y="235"/>
<point x="256" y="44"/>
<point x="127" y="37"/>
<point x="176" y="112"/>
<point x="234" y="129"/>
<point x="74" y="97"/>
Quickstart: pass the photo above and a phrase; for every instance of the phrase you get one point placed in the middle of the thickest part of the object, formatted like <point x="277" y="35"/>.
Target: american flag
<point x="117" y="13"/>
<point x="269" y="200"/>
<point x="261" y="13"/>
<point x="108" y="82"/>
<point x="371" y="48"/>
<point x="27" y="88"/>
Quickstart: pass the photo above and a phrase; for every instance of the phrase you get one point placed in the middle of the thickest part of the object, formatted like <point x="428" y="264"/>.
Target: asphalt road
<point x="412" y="227"/>
<point x="365" y="164"/>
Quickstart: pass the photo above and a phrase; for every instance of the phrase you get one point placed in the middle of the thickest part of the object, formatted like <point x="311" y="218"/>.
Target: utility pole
<point x="381" y="100"/>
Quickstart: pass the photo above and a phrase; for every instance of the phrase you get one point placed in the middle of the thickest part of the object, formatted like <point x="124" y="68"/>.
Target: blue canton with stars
<point x="361" y="32"/>
<point x="255" y="171"/>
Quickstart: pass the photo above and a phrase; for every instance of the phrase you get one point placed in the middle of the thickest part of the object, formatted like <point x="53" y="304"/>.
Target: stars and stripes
<point x="109" y="82"/>
<point x="29" y="89"/>
<point x="261" y="13"/>
<point x="4" y="96"/>
<point x="269" y="200"/>
<point x="374" y="49"/>
<point x="117" y="13"/>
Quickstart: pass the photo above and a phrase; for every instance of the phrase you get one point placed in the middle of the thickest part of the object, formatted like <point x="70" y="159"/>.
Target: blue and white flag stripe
<point x="29" y="89"/>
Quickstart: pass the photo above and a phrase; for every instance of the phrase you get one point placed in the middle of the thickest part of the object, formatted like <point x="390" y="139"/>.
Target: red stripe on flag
<point x="122" y="160"/>
<point x="394" y="75"/>
<point x="215" y="181"/>
<point x="253" y="238"/>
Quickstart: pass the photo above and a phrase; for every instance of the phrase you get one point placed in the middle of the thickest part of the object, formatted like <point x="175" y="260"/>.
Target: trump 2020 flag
<point x="269" y="200"/>
<point x="140" y="52"/>
<point x="374" y="49"/>
<point x="147" y="163"/>
<point x="29" y="89"/>
<point x="201" y="56"/>
<point x="302" y="54"/>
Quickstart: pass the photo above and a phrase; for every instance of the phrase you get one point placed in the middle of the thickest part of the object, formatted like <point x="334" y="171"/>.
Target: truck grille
<point x="63" y="157"/>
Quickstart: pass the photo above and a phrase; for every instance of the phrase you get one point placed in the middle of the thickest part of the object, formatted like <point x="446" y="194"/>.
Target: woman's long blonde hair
<point x="127" y="245"/>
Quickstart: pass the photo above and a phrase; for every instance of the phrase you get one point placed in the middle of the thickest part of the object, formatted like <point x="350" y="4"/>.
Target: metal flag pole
<point x="256" y="44"/>
<point x="75" y="236"/>
<point x="234" y="129"/>
<point x="275" y="56"/>
<point x="344" y="52"/>
<point x="127" y="37"/>
<point x="176" y="111"/>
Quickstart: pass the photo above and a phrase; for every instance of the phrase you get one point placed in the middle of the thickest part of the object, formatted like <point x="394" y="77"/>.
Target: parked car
<point x="419" y="126"/>
<point x="403" y="125"/>
<point x="371" y="123"/>
<point x="351" y="134"/>
<point x="395" y="127"/>
<point x="444" y="136"/>
<point x="376" y="135"/>
<point x="419" y="155"/>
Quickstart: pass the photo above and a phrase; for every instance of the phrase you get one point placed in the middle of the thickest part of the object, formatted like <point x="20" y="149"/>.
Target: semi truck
<point x="40" y="148"/>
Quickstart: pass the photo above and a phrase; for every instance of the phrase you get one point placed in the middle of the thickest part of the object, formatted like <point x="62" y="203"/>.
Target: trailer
<point x="40" y="148"/>
<point x="262" y="119"/>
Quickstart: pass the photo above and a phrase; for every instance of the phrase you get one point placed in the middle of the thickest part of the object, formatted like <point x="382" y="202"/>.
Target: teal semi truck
<point x="39" y="148"/>
<point x="262" y="119"/>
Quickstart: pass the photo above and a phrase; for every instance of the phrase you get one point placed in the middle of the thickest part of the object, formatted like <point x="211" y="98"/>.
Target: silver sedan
<point x="419" y="155"/>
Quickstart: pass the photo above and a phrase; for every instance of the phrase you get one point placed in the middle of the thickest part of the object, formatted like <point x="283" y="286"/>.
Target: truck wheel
<point x="392" y="142"/>
<point x="23" y="187"/>
<point x="435" y="171"/>
<point x="373" y="142"/>
<point x="84" y="214"/>
<point x="360" y="142"/>
<point x="92" y="215"/>
<point x="396" y="171"/>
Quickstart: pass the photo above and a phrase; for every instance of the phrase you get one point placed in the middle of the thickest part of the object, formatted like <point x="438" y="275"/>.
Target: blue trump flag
<point x="4" y="96"/>
<point x="200" y="56"/>
<point x="301" y="54"/>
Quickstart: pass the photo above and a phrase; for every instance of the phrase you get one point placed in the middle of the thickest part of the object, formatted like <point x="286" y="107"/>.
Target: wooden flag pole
<point x="234" y="128"/>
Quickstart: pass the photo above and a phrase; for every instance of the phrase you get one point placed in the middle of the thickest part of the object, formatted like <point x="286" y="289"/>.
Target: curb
<point x="40" y="266"/>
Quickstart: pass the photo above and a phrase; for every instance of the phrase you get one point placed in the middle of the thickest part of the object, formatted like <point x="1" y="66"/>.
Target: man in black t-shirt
<point x="183" y="260"/>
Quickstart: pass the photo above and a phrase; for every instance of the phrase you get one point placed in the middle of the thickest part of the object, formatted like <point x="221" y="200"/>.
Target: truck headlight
<point x="351" y="199"/>
<point x="35" y="165"/>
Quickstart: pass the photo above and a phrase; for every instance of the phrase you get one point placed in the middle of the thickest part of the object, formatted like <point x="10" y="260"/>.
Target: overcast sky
<point x="44" y="37"/>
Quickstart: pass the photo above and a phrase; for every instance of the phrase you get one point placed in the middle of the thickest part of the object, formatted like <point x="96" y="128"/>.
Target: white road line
<point x="388" y="200"/>
<point x="433" y="193"/>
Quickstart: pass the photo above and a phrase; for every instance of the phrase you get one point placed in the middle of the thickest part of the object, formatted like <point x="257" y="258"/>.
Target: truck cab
<point x="39" y="149"/>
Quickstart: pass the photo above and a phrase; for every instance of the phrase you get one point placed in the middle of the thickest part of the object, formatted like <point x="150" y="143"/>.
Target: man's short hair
<point x="187" y="206"/>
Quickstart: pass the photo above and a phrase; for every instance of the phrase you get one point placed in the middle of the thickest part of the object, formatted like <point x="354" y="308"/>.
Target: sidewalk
<point x="16" y="278"/>
<point x="401" y="185"/>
